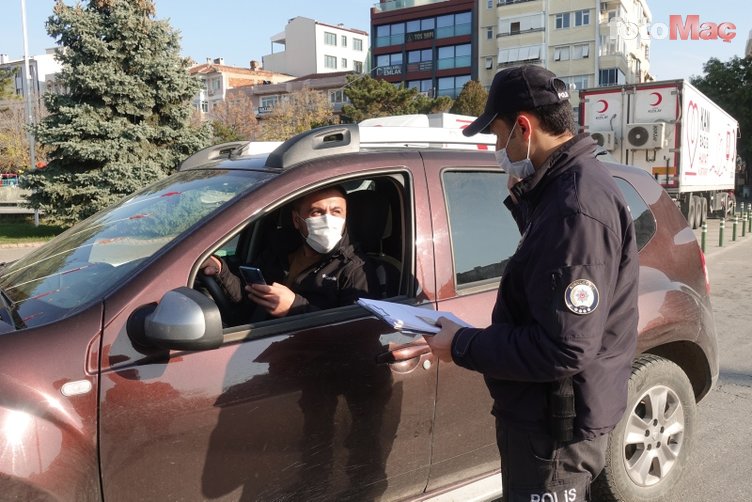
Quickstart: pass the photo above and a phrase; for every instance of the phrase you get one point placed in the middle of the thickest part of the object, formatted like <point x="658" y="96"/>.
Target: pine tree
<point x="370" y="97"/>
<point x="472" y="99"/>
<point x="125" y="118"/>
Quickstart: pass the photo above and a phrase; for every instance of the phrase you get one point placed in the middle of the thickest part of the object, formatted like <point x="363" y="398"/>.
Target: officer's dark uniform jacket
<point x="575" y="226"/>
<point x="340" y="278"/>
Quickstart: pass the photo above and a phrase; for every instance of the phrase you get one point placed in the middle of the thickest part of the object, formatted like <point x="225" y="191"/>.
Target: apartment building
<point x="311" y="47"/>
<point x="217" y="79"/>
<point x="266" y="97"/>
<point x="748" y="49"/>
<point x="42" y="70"/>
<point x="587" y="43"/>
<point x="429" y="45"/>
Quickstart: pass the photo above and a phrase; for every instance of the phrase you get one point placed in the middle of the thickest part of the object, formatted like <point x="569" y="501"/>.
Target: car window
<point x="84" y="262"/>
<point x="483" y="232"/>
<point x="644" y="221"/>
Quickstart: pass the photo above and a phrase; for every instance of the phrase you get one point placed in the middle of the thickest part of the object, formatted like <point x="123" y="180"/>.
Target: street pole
<point x="27" y="90"/>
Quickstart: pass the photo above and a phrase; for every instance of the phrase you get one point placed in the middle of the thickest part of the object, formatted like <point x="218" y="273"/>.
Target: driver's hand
<point x="275" y="298"/>
<point x="211" y="266"/>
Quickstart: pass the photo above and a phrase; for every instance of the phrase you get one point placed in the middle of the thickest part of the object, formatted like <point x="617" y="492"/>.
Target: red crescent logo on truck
<point x="658" y="98"/>
<point x="605" y="105"/>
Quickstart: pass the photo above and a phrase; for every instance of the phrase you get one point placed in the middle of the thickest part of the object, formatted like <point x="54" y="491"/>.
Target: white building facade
<point x="311" y="47"/>
<point x="42" y="68"/>
<point x="588" y="43"/>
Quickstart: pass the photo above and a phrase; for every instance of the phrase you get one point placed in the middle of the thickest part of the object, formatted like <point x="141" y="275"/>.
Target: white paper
<point x="407" y="318"/>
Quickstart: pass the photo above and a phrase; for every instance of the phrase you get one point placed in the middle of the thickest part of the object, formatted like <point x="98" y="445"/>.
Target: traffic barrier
<point x="733" y="231"/>
<point x="720" y="233"/>
<point x="704" y="235"/>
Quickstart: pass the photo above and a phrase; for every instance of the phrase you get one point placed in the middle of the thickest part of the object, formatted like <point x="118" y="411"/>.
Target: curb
<point x="30" y="244"/>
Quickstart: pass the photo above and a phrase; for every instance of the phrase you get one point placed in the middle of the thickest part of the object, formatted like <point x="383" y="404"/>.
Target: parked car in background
<point x="126" y="373"/>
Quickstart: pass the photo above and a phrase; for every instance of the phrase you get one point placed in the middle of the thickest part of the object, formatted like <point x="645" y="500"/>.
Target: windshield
<point x="85" y="261"/>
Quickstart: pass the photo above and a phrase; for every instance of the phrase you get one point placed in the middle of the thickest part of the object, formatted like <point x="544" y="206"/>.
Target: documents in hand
<point x="409" y="319"/>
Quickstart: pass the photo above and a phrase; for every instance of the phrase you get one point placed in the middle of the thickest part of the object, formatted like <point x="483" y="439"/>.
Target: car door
<point x="474" y="235"/>
<point x="331" y="403"/>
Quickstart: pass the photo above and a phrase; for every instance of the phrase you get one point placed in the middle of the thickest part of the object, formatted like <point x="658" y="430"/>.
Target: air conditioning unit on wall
<point x="604" y="139"/>
<point x="647" y="136"/>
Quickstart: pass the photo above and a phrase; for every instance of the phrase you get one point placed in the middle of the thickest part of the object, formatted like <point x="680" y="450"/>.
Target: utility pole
<point x="27" y="86"/>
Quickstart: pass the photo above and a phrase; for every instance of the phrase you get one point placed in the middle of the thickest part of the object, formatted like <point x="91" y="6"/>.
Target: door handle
<point x="404" y="353"/>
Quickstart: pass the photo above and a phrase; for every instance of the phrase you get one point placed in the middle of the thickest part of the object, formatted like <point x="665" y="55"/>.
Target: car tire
<point x="649" y="448"/>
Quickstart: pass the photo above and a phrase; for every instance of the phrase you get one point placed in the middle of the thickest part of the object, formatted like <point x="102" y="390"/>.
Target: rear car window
<point x="483" y="232"/>
<point x="644" y="221"/>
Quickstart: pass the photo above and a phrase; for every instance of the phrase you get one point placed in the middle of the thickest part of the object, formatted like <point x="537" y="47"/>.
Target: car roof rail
<point x="227" y="151"/>
<point x="316" y="143"/>
<point x="349" y="138"/>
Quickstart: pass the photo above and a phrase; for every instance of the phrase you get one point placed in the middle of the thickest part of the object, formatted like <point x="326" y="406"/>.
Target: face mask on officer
<point x="520" y="169"/>
<point x="324" y="232"/>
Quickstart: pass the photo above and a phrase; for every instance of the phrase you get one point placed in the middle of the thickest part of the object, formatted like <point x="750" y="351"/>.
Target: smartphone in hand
<point x="251" y="275"/>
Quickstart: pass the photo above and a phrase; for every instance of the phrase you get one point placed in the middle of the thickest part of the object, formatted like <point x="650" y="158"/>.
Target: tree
<point x="6" y="85"/>
<point x="124" y="120"/>
<point x="472" y="99"/>
<point x="370" y="97"/>
<point x="300" y="111"/>
<point x="14" y="141"/>
<point x="729" y="84"/>
<point x="234" y="120"/>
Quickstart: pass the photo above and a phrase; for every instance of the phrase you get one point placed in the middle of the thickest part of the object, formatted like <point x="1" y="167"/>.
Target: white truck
<point x="674" y="132"/>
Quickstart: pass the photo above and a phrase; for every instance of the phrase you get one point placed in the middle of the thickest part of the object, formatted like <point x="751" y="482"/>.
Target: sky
<point x="240" y="30"/>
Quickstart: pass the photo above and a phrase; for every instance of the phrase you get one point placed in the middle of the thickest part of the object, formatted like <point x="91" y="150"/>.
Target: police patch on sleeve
<point x="581" y="296"/>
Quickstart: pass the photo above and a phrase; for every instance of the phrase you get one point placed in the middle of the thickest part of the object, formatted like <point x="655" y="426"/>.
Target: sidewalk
<point x="712" y="238"/>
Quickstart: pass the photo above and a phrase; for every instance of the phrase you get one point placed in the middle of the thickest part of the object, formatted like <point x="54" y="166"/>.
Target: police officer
<point x="558" y="353"/>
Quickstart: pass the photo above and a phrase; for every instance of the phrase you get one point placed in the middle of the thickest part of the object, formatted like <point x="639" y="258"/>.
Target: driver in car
<point x="321" y="271"/>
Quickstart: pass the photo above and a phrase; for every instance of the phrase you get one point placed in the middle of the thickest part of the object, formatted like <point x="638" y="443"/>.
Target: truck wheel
<point x="703" y="211"/>
<point x="649" y="448"/>
<point x="697" y="201"/>
<point x="691" y="208"/>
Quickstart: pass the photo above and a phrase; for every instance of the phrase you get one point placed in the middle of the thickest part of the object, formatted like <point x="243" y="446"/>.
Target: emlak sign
<point x="689" y="28"/>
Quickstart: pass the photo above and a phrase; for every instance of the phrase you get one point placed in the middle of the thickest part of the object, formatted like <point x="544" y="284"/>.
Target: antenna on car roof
<point x="319" y="142"/>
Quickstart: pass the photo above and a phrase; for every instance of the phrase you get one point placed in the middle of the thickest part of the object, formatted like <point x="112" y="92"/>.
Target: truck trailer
<point x="674" y="132"/>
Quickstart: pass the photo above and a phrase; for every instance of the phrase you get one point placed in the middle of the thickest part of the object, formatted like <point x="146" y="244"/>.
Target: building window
<point x="581" y="51"/>
<point x="424" y="86"/>
<point x="452" y="86"/>
<point x="454" y="56"/>
<point x="389" y="59"/>
<point x="204" y="106"/>
<point x="337" y="96"/>
<point x="561" y="53"/>
<point x="562" y="20"/>
<point x="610" y="76"/>
<point x="330" y="38"/>
<point x="578" y="81"/>
<point x="357" y="44"/>
<point x="489" y="63"/>
<point x="489" y="33"/>
<point x="582" y="17"/>
<point x="521" y="24"/>
<point x="344" y="63"/>
<point x="490" y="4"/>
<point x="454" y="25"/>
<point x="358" y="66"/>
<point x="344" y="40"/>
<point x="330" y="62"/>
<point x="390" y="34"/>
<point x="527" y="53"/>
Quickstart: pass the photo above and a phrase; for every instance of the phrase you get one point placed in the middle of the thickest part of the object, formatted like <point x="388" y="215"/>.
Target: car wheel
<point x="648" y="450"/>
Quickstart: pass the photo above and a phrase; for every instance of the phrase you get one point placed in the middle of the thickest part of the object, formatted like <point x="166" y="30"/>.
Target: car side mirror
<point x="184" y="319"/>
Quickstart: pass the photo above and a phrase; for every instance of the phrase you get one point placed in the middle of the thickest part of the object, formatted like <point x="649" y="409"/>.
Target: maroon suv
<point x="126" y="374"/>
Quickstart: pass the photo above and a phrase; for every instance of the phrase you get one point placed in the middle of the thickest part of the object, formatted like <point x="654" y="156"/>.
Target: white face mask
<point x="324" y="232"/>
<point x="520" y="169"/>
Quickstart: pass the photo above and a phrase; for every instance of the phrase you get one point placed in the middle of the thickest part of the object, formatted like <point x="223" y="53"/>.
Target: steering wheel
<point x="215" y="290"/>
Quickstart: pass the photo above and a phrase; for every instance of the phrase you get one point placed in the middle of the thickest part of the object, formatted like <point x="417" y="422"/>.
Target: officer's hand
<point x="211" y="266"/>
<point x="441" y="342"/>
<point x="275" y="298"/>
